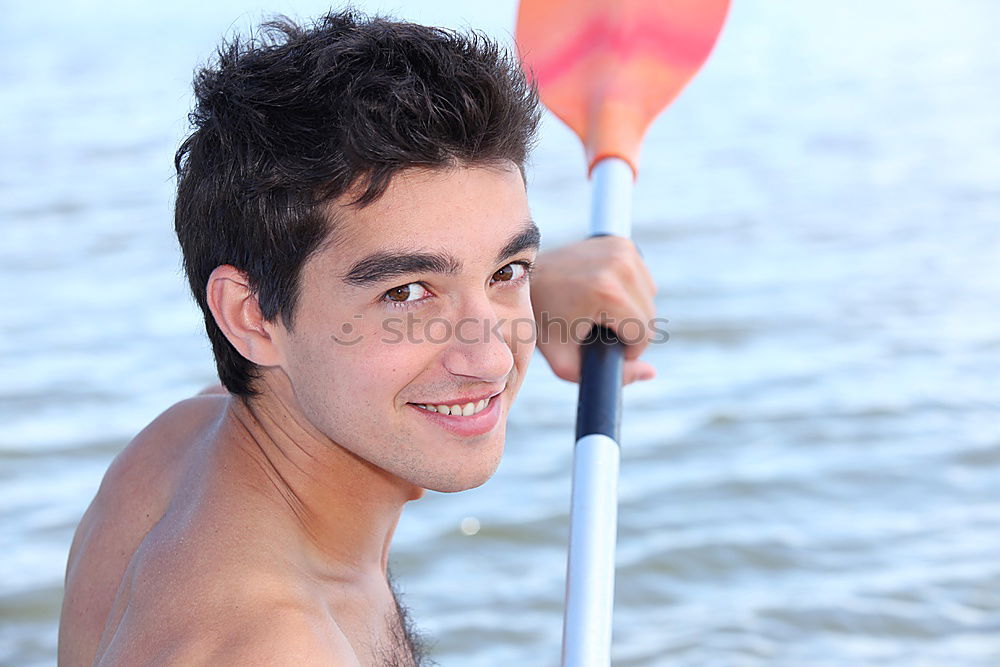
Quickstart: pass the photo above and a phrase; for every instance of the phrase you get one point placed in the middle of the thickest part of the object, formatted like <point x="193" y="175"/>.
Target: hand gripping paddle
<point x="607" y="69"/>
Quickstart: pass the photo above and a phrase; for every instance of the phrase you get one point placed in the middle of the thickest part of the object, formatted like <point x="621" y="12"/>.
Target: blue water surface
<point x="812" y="479"/>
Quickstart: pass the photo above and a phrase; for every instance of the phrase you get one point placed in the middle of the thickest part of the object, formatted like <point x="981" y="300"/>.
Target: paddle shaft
<point x="590" y="576"/>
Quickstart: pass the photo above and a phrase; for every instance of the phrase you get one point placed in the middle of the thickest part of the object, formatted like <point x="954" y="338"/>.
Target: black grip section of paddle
<point x="603" y="364"/>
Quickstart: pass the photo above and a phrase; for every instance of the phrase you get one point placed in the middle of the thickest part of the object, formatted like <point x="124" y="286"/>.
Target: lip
<point x="462" y="401"/>
<point x="477" y="424"/>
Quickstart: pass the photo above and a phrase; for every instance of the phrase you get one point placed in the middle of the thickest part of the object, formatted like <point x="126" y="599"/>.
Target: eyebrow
<point x="528" y="238"/>
<point x="384" y="265"/>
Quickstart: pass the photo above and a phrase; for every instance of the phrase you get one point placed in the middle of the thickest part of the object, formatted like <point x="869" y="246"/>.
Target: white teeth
<point x="466" y="410"/>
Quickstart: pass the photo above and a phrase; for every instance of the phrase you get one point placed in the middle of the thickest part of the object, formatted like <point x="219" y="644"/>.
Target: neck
<point x="344" y="508"/>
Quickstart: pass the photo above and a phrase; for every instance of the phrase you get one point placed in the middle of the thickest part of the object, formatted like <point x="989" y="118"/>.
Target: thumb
<point x="563" y="359"/>
<point x="637" y="371"/>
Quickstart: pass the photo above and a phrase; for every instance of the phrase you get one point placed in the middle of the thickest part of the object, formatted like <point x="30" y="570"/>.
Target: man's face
<point x="420" y="301"/>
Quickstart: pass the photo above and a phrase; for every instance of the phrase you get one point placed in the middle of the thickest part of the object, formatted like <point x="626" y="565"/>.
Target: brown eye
<point x="399" y="293"/>
<point x="506" y="273"/>
<point x="510" y="272"/>
<point x="409" y="293"/>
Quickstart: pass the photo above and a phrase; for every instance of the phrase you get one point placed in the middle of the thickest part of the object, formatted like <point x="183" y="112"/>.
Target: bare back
<point x="172" y="562"/>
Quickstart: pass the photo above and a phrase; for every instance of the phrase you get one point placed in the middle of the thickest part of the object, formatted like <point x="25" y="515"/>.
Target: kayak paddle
<point x="607" y="69"/>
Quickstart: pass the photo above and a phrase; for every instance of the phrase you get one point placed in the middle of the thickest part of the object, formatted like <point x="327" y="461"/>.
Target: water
<point x="812" y="479"/>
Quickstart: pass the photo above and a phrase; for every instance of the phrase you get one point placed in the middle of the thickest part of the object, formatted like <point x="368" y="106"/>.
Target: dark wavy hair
<point x="295" y="117"/>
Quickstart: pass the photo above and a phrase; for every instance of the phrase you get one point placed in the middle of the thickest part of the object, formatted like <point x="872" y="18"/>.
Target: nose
<point x="479" y="347"/>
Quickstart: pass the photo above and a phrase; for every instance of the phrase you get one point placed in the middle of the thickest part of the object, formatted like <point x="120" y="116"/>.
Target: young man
<point x="351" y="209"/>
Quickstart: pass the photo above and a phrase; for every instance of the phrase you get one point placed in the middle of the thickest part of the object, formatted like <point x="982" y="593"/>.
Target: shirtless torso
<point x="180" y="560"/>
<point x="349" y="175"/>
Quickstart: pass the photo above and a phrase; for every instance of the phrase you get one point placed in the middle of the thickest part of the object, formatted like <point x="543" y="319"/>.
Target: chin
<point x="456" y="486"/>
<point x="462" y="480"/>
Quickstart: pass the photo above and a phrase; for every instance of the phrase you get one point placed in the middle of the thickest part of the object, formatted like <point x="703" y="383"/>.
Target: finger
<point x="629" y="321"/>
<point x="644" y="289"/>
<point x="638" y="311"/>
<point x="563" y="358"/>
<point x="647" y="278"/>
<point x="638" y="371"/>
<point x="635" y="275"/>
<point x="627" y="290"/>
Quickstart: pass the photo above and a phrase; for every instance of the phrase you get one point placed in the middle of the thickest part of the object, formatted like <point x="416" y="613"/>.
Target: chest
<point x="382" y="634"/>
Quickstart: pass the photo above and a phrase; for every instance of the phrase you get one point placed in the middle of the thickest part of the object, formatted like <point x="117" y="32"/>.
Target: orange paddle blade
<point x="607" y="68"/>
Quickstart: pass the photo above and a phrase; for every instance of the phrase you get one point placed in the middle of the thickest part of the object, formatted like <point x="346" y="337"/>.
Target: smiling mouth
<point x="459" y="408"/>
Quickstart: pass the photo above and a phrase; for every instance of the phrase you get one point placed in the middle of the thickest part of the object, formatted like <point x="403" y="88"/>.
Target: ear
<point x="237" y="313"/>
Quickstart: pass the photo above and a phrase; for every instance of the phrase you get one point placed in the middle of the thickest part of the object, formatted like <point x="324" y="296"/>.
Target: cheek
<point x="330" y="366"/>
<point x="340" y="392"/>
<point x="522" y="334"/>
<point x="388" y="356"/>
<point x="521" y="330"/>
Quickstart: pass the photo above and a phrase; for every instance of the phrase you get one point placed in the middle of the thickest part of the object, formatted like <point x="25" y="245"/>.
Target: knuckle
<point x="622" y="258"/>
<point x="604" y="281"/>
<point x="608" y="288"/>
<point x="633" y="332"/>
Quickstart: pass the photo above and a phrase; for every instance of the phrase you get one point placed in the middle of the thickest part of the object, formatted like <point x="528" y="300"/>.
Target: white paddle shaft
<point x="590" y="581"/>
<point x="611" y="203"/>
<point x="590" y="572"/>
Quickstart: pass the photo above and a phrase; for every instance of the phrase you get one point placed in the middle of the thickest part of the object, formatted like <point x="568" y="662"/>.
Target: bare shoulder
<point x="167" y="438"/>
<point x="133" y="496"/>
<point x="284" y="637"/>
<point x="142" y="478"/>
<point x="195" y="602"/>
<point x="277" y="635"/>
<point x="173" y="432"/>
